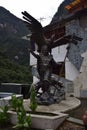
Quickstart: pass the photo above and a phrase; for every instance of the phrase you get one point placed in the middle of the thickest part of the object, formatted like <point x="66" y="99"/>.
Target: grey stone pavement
<point x="68" y="104"/>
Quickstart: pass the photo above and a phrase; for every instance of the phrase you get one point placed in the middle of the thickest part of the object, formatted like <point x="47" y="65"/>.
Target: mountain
<point x="61" y="11"/>
<point x="14" y="57"/>
<point x="12" y="29"/>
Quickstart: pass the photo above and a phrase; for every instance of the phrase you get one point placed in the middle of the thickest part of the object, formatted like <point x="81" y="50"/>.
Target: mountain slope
<point x="11" y="24"/>
<point x="12" y="72"/>
<point x="12" y="29"/>
<point x="61" y="11"/>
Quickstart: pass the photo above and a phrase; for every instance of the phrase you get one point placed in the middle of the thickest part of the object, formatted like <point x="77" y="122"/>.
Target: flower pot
<point x="42" y="121"/>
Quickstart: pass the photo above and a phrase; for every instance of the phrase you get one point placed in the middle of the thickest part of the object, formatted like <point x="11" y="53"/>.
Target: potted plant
<point x="33" y="119"/>
<point x="23" y="120"/>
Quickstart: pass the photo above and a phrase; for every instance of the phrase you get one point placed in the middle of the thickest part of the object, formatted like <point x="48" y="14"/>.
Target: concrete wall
<point x="76" y="27"/>
<point x="77" y="54"/>
<point x="59" y="53"/>
<point x="15" y="88"/>
<point x="70" y="70"/>
<point x="33" y="60"/>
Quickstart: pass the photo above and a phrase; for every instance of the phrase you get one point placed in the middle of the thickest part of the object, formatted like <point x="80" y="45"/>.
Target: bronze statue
<point x="45" y="61"/>
<point x="45" y="64"/>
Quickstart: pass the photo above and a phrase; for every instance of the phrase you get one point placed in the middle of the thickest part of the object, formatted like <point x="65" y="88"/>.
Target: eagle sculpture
<point x="39" y="38"/>
<point x="37" y="31"/>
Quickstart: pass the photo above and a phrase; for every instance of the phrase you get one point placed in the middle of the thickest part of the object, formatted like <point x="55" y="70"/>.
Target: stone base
<point x="68" y="104"/>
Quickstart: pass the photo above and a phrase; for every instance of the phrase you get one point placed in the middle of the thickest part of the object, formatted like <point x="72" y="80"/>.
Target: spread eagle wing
<point x="36" y="29"/>
<point x="38" y="34"/>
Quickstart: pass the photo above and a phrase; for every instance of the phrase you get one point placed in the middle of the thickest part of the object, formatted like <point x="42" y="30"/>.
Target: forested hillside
<point x="14" y="57"/>
<point x="12" y="29"/>
<point x="13" y="72"/>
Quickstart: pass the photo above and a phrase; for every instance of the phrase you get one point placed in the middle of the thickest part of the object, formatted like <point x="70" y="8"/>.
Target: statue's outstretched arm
<point x="35" y="55"/>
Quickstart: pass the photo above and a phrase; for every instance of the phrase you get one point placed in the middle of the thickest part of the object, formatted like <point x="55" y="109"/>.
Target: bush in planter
<point x="33" y="102"/>
<point x="24" y="121"/>
<point x="4" y="116"/>
<point x="17" y="104"/>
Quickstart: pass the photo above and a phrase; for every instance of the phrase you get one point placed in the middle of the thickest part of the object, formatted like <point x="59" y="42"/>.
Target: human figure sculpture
<point x="45" y="63"/>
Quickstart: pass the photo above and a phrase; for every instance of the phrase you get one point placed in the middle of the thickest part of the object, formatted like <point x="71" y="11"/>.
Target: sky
<point x="42" y="10"/>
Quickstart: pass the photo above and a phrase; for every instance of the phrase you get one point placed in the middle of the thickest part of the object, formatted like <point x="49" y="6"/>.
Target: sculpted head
<point x="44" y="50"/>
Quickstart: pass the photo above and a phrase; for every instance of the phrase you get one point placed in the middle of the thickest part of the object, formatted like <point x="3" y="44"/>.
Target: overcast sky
<point x="37" y="8"/>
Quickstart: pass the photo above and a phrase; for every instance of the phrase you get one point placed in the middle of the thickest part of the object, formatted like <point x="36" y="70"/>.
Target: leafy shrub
<point x="33" y="102"/>
<point x="24" y="121"/>
<point x="4" y="117"/>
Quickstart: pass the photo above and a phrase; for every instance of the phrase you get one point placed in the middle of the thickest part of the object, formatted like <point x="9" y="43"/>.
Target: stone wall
<point x="76" y="27"/>
<point x="77" y="54"/>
